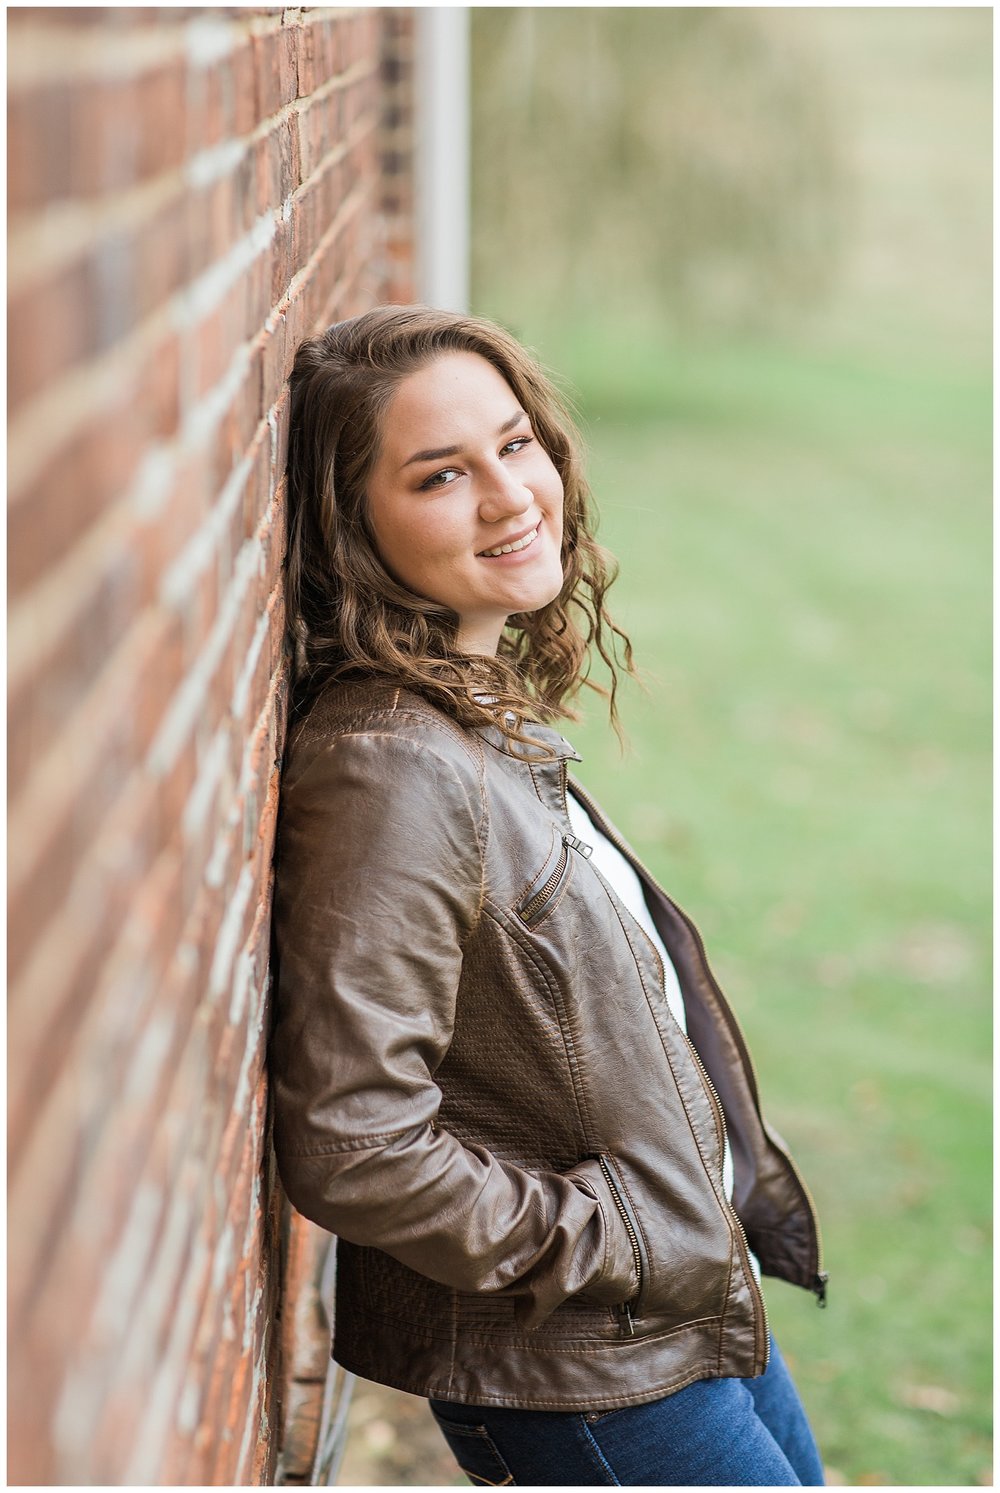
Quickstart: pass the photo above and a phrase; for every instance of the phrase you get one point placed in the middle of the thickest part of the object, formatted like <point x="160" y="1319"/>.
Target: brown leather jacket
<point x="480" y="1089"/>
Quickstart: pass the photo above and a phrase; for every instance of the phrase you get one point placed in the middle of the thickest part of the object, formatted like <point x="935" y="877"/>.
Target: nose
<point x="503" y="495"/>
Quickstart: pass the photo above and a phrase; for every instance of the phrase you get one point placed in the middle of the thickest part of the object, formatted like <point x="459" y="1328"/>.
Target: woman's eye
<point x="437" y="479"/>
<point x="518" y="442"/>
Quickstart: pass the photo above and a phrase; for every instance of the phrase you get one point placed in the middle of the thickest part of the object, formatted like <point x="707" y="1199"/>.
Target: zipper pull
<point x="626" y="1320"/>
<point x="585" y="850"/>
<point x="819" y="1286"/>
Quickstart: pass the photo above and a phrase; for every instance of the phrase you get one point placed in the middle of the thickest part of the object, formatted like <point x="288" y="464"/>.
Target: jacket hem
<point x="597" y="1375"/>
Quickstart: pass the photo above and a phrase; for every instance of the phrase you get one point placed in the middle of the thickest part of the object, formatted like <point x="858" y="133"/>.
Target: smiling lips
<point x="512" y="547"/>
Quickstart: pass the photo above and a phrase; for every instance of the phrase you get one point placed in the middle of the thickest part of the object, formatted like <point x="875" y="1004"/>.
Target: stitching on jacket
<point x="475" y="746"/>
<point x="472" y="745"/>
<point x="656" y="1018"/>
<point x="607" y="1236"/>
<point x="504" y="920"/>
<point x="620" y="1181"/>
<point x="512" y="1337"/>
<point x="725" y="1303"/>
<point x="397" y="1381"/>
<point x="365" y="1143"/>
<point x="581" y="1348"/>
<point x="536" y="784"/>
<point x="567" y="877"/>
<point x="536" y="875"/>
<point x="608" y="1401"/>
<point x="453" y="1336"/>
<point x="428" y="749"/>
<point x="694" y="1133"/>
<point x="568" y="1036"/>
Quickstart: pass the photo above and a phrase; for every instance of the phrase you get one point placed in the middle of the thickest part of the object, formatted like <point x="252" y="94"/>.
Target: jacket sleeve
<point x="379" y="885"/>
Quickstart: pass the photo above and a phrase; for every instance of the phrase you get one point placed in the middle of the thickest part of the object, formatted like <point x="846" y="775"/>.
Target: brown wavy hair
<point x="349" y="617"/>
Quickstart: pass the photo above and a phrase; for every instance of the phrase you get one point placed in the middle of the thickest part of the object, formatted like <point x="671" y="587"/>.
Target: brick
<point x="127" y="131"/>
<point x="272" y="541"/>
<point x="240" y="1402"/>
<point x="196" y="613"/>
<point x="87" y="306"/>
<point x="172" y="790"/>
<point x="63" y="306"/>
<point x="281" y="655"/>
<point x="282" y="415"/>
<point x="43" y="525"/>
<point x="66" y="1293"/>
<point x="157" y="1342"/>
<point x="278" y="166"/>
<point x="220" y="214"/>
<point x="239" y="651"/>
<point x="115" y="743"/>
<point x="258" y="767"/>
<point x="65" y="1228"/>
<point x="41" y="126"/>
<point x="276" y="364"/>
<point x="283" y="266"/>
<point x="137" y="892"/>
<point x="205" y="121"/>
<point x="109" y="599"/>
<point x="161" y="254"/>
<point x="216" y="340"/>
<point x="127" y="882"/>
<point x="206" y="1385"/>
<point x="257" y="492"/>
<point x="258" y="299"/>
<point x="257" y="696"/>
<point x="321" y="128"/>
<point x="244" y="93"/>
<point x="275" y="71"/>
<point x="239" y="422"/>
<point x="95" y="466"/>
<point x="305" y="58"/>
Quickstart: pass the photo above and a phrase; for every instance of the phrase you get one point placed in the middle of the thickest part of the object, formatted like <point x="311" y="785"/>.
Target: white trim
<point x="441" y="156"/>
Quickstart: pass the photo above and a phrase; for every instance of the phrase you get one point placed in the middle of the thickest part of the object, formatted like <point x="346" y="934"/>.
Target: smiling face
<point x="464" y="501"/>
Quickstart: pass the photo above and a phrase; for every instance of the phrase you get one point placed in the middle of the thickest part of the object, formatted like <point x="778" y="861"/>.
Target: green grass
<point x="804" y="542"/>
<point x="803" y="523"/>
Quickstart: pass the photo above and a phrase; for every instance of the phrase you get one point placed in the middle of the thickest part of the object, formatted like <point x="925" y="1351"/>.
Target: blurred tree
<point x="682" y="158"/>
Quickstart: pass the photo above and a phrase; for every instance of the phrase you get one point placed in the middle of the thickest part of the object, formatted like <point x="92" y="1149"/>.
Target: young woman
<point x="504" y="1075"/>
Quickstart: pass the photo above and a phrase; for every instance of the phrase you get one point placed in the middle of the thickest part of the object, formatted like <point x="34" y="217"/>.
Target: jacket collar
<point x="552" y="744"/>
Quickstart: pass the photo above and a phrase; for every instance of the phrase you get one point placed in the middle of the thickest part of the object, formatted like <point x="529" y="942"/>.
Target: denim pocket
<point x="475" y="1453"/>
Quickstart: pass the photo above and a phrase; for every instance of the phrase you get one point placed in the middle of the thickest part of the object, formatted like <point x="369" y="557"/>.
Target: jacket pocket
<point x="627" y="1311"/>
<point x="547" y="886"/>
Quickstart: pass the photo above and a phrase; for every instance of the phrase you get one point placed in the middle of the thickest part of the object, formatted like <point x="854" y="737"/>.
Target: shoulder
<point x="387" y="741"/>
<point x="378" y="709"/>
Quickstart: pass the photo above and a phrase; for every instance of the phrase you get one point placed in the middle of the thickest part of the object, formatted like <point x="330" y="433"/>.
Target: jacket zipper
<point x="532" y="910"/>
<point x="626" y="1315"/>
<point x="820" y="1275"/>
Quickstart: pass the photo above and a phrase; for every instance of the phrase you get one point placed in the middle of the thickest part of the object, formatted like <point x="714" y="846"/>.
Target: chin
<point x="536" y="606"/>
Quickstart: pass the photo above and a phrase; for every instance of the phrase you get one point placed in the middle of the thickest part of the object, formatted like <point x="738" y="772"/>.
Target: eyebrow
<point x="441" y="451"/>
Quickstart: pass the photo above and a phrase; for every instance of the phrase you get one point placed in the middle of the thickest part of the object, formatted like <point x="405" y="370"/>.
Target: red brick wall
<point x="191" y="192"/>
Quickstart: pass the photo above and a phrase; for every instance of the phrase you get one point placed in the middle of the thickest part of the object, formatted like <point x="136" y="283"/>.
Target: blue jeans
<point x="715" y="1433"/>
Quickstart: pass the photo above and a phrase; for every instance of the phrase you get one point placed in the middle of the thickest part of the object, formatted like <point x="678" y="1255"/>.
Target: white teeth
<point x="510" y="549"/>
